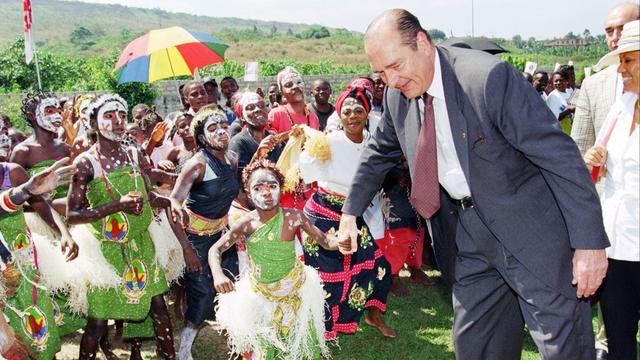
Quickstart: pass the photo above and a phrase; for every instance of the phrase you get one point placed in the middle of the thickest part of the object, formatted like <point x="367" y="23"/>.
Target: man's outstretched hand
<point x="589" y="269"/>
<point x="348" y="233"/>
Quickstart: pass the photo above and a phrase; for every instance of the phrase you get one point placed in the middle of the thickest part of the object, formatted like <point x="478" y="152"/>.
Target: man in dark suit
<point x="511" y="204"/>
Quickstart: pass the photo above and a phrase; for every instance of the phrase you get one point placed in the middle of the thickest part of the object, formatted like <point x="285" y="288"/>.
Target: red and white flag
<point x="29" y="49"/>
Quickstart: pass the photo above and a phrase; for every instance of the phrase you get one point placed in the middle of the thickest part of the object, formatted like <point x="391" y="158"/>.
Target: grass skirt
<point x="248" y="318"/>
<point x="168" y="249"/>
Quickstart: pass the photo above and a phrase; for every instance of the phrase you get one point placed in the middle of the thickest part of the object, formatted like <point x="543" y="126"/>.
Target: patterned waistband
<point x="202" y="226"/>
<point x="326" y="205"/>
<point x="284" y="288"/>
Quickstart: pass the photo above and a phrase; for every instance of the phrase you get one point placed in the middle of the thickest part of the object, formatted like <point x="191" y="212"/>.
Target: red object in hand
<point x="595" y="172"/>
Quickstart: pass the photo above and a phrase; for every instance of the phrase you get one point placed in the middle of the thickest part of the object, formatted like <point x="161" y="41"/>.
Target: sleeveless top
<point x="272" y="258"/>
<point x="212" y="197"/>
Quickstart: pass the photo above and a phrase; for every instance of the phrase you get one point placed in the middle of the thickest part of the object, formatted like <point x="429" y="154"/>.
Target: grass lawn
<point x="423" y="322"/>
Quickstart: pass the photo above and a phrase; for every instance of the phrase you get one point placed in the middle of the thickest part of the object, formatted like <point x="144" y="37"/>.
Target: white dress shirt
<point x="450" y="173"/>
<point x="621" y="197"/>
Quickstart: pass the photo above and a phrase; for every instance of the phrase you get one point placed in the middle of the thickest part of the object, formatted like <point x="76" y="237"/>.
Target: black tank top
<point x="212" y="198"/>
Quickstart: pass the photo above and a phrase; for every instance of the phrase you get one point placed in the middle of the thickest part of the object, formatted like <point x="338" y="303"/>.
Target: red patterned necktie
<point x="425" y="190"/>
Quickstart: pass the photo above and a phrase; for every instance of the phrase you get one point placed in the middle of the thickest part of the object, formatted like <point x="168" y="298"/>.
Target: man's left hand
<point x="589" y="269"/>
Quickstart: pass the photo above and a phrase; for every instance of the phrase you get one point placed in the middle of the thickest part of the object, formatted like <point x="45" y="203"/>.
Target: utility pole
<point x="472" y="21"/>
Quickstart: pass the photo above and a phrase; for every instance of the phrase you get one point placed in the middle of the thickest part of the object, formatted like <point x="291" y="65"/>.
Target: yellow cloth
<point x="316" y="144"/>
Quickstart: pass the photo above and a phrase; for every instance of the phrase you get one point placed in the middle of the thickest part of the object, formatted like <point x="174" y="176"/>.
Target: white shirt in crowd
<point x="621" y="197"/>
<point x="337" y="173"/>
<point x="557" y="101"/>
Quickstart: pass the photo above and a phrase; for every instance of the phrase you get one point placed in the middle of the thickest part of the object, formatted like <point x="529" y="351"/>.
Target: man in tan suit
<point x="599" y="91"/>
<point x="597" y="95"/>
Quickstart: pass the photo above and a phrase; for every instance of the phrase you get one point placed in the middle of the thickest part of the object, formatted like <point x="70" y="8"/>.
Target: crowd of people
<point x="288" y="222"/>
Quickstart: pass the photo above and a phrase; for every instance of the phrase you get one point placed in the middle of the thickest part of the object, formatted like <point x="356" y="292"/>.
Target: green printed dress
<point x="127" y="246"/>
<point x="67" y="321"/>
<point x="276" y="310"/>
<point x="31" y="312"/>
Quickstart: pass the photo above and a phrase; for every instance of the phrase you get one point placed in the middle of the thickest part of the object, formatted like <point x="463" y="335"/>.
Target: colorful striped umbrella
<point x="169" y="52"/>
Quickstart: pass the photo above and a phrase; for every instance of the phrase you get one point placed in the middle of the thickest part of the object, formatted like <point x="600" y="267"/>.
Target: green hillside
<point x="87" y="30"/>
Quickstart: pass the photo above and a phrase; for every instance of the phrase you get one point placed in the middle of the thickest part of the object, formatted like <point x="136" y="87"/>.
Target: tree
<point x="289" y="32"/>
<point x="79" y="34"/>
<point x="437" y="34"/>
<point x="570" y="36"/>
<point x="315" y="32"/>
<point x="273" y="31"/>
<point x="586" y="34"/>
<point x="517" y="41"/>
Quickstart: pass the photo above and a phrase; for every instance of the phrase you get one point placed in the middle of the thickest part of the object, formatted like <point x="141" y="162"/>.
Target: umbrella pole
<point x="173" y="73"/>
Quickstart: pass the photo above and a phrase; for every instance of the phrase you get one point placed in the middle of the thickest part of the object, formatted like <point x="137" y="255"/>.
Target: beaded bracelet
<point x="6" y="204"/>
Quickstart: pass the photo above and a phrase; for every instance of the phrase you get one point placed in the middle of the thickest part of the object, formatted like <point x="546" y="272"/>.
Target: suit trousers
<point x="494" y="296"/>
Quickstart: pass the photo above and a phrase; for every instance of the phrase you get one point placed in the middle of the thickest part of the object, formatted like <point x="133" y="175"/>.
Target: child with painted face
<point x="111" y="194"/>
<point x="277" y="309"/>
<point x="200" y="200"/>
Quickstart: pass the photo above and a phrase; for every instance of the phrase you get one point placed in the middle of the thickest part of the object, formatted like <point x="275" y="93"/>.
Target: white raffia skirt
<point x="90" y="268"/>
<point x="247" y="317"/>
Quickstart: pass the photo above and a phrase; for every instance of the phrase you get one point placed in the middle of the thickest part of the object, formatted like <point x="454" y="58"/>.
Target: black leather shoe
<point x="601" y="354"/>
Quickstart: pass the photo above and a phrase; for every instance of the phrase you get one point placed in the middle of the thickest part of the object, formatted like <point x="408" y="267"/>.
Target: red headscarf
<point x="356" y="92"/>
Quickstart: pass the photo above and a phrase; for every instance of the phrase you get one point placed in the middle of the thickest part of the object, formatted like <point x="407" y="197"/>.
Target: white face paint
<point x="106" y="126"/>
<point x="352" y="107"/>
<point x="264" y="182"/>
<point x="254" y="109"/>
<point x="48" y="122"/>
<point x="215" y="136"/>
<point x="5" y="145"/>
<point x="294" y="78"/>
<point x="84" y="104"/>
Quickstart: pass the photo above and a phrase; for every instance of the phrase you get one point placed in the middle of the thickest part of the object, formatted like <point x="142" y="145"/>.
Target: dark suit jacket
<point x="527" y="178"/>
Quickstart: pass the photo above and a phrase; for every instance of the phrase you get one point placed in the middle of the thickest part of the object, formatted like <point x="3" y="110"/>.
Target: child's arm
<point x="220" y="281"/>
<point x="316" y="234"/>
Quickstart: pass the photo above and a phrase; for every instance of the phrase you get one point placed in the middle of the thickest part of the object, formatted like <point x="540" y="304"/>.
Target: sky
<point x="493" y="18"/>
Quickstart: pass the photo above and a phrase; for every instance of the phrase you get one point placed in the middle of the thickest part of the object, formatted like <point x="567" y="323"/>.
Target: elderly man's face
<point x="400" y="66"/>
<point x="614" y="22"/>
